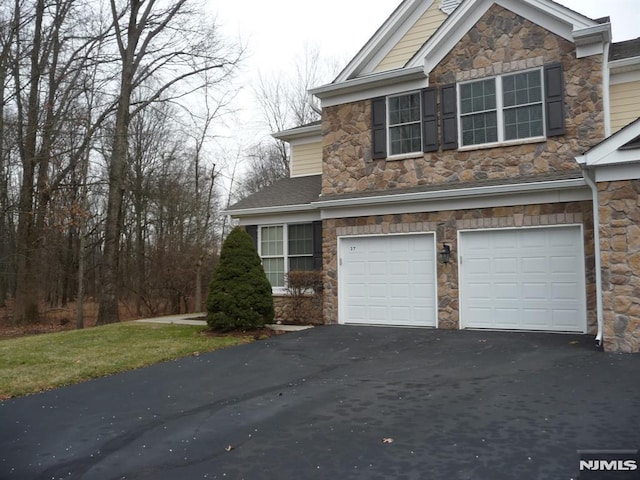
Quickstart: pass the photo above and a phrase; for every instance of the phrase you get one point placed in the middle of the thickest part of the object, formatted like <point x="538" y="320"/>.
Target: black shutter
<point x="379" y="130"/>
<point x="554" y="99"/>
<point x="252" y="230"/>
<point x="429" y="120"/>
<point x="317" y="245"/>
<point x="449" y="116"/>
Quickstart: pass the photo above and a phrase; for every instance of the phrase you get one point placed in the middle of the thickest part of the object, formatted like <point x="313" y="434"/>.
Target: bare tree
<point x="169" y="44"/>
<point x="51" y="48"/>
<point x="285" y="103"/>
<point x="264" y="168"/>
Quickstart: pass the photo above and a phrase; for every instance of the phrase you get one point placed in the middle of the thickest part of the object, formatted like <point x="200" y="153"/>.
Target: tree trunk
<point x="109" y="299"/>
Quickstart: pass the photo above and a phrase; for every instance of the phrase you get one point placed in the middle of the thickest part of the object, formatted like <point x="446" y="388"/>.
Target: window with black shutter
<point x="405" y="124"/>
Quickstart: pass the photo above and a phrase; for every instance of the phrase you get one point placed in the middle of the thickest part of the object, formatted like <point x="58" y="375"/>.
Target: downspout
<point x="597" y="252"/>
<point x="606" y="85"/>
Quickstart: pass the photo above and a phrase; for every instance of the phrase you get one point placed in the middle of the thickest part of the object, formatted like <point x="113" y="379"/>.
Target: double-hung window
<point x="509" y="107"/>
<point x="405" y="127"/>
<point x="284" y="248"/>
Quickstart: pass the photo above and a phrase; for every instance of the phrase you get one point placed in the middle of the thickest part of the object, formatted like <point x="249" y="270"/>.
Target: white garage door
<point x="523" y="279"/>
<point x="388" y="280"/>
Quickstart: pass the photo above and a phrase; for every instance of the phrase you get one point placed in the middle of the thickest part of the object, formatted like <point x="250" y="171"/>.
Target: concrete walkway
<point x="199" y="319"/>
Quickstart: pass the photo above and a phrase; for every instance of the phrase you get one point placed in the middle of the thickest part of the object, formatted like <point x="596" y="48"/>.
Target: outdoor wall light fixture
<point x="445" y="253"/>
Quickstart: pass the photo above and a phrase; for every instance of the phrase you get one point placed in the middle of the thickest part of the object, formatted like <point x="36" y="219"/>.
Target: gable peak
<point x="448" y="6"/>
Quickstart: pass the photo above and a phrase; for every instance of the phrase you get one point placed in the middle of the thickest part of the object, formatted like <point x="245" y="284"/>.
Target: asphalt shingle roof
<point x="288" y="191"/>
<point x="626" y="49"/>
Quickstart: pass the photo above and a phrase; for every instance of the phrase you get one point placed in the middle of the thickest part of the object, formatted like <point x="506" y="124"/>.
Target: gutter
<point x="597" y="253"/>
<point x="305" y="207"/>
<point x="383" y="79"/>
<point x="505" y="189"/>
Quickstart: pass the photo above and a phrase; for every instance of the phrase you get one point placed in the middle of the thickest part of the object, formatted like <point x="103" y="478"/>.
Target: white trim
<point x="278" y="209"/>
<point x="388" y="125"/>
<point x="545" y="13"/>
<point x="531" y="198"/>
<point x="376" y="85"/>
<point x="279" y="290"/>
<point x="624" y="65"/>
<point x="623" y="77"/>
<point x="339" y="274"/>
<point x="500" y="111"/>
<point x="592" y="40"/>
<point x="300" y="217"/>
<point x="582" y="274"/>
<point x="298" y="133"/>
<point x="447" y="195"/>
<point x="614" y="173"/>
<point x="607" y="152"/>
<point x="555" y="191"/>
<point x="385" y="38"/>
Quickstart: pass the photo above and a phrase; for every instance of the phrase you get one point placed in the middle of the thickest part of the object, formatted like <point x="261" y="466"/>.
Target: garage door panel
<point x="535" y="291"/>
<point x="478" y="265"/>
<point x="534" y="265"/>
<point x="564" y="264"/>
<point x="529" y="278"/>
<point x="535" y="318"/>
<point x="398" y="281"/>
<point x="506" y="290"/>
<point x="505" y="317"/>
<point x="563" y="291"/>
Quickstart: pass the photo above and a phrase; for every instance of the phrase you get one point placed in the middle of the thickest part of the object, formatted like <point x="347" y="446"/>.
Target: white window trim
<point x="500" y="113"/>
<point x="285" y="251"/>
<point x="400" y="156"/>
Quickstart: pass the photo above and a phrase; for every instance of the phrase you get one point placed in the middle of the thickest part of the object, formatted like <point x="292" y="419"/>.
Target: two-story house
<point x="477" y="166"/>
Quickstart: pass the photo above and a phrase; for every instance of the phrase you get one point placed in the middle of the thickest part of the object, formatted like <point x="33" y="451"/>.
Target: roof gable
<point x="623" y="147"/>
<point x="385" y="39"/>
<point x="550" y="15"/>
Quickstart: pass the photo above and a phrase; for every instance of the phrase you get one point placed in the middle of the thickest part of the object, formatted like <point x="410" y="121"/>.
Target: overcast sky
<point x="276" y="31"/>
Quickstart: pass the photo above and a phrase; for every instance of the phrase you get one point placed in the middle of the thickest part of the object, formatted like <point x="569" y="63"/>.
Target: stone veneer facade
<point x="500" y="42"/>
<point x="620" y="263"/>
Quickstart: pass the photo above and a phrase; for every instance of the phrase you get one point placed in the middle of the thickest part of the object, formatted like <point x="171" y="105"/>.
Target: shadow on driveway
<point x="338" y="403"/>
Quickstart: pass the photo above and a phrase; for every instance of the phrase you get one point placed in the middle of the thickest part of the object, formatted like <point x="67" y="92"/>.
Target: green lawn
<point x="41" y="362"/>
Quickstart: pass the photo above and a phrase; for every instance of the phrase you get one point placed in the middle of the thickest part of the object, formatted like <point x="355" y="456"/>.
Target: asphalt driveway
<point x="338" y="403"/>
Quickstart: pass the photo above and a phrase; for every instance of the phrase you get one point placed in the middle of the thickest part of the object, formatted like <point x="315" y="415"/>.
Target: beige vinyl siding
<point x="408" y="45"/>
<point x="625" y="104"/>
<point x="306" y="159"/>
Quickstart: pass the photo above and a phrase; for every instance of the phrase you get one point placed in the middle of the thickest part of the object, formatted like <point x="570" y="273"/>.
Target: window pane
<point x="523" y="122"/>
<point x="271" y="241"/>
<point x="301" y="239"/>
<point x="405" y="139"/>
<point x="522" y="88"/>
<point x="480" y="128"/>
<point x="404" y="109"/>
<point x="478" y="96"/>
<point x="301" y="263"/>
<point x="274" y="268"/>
